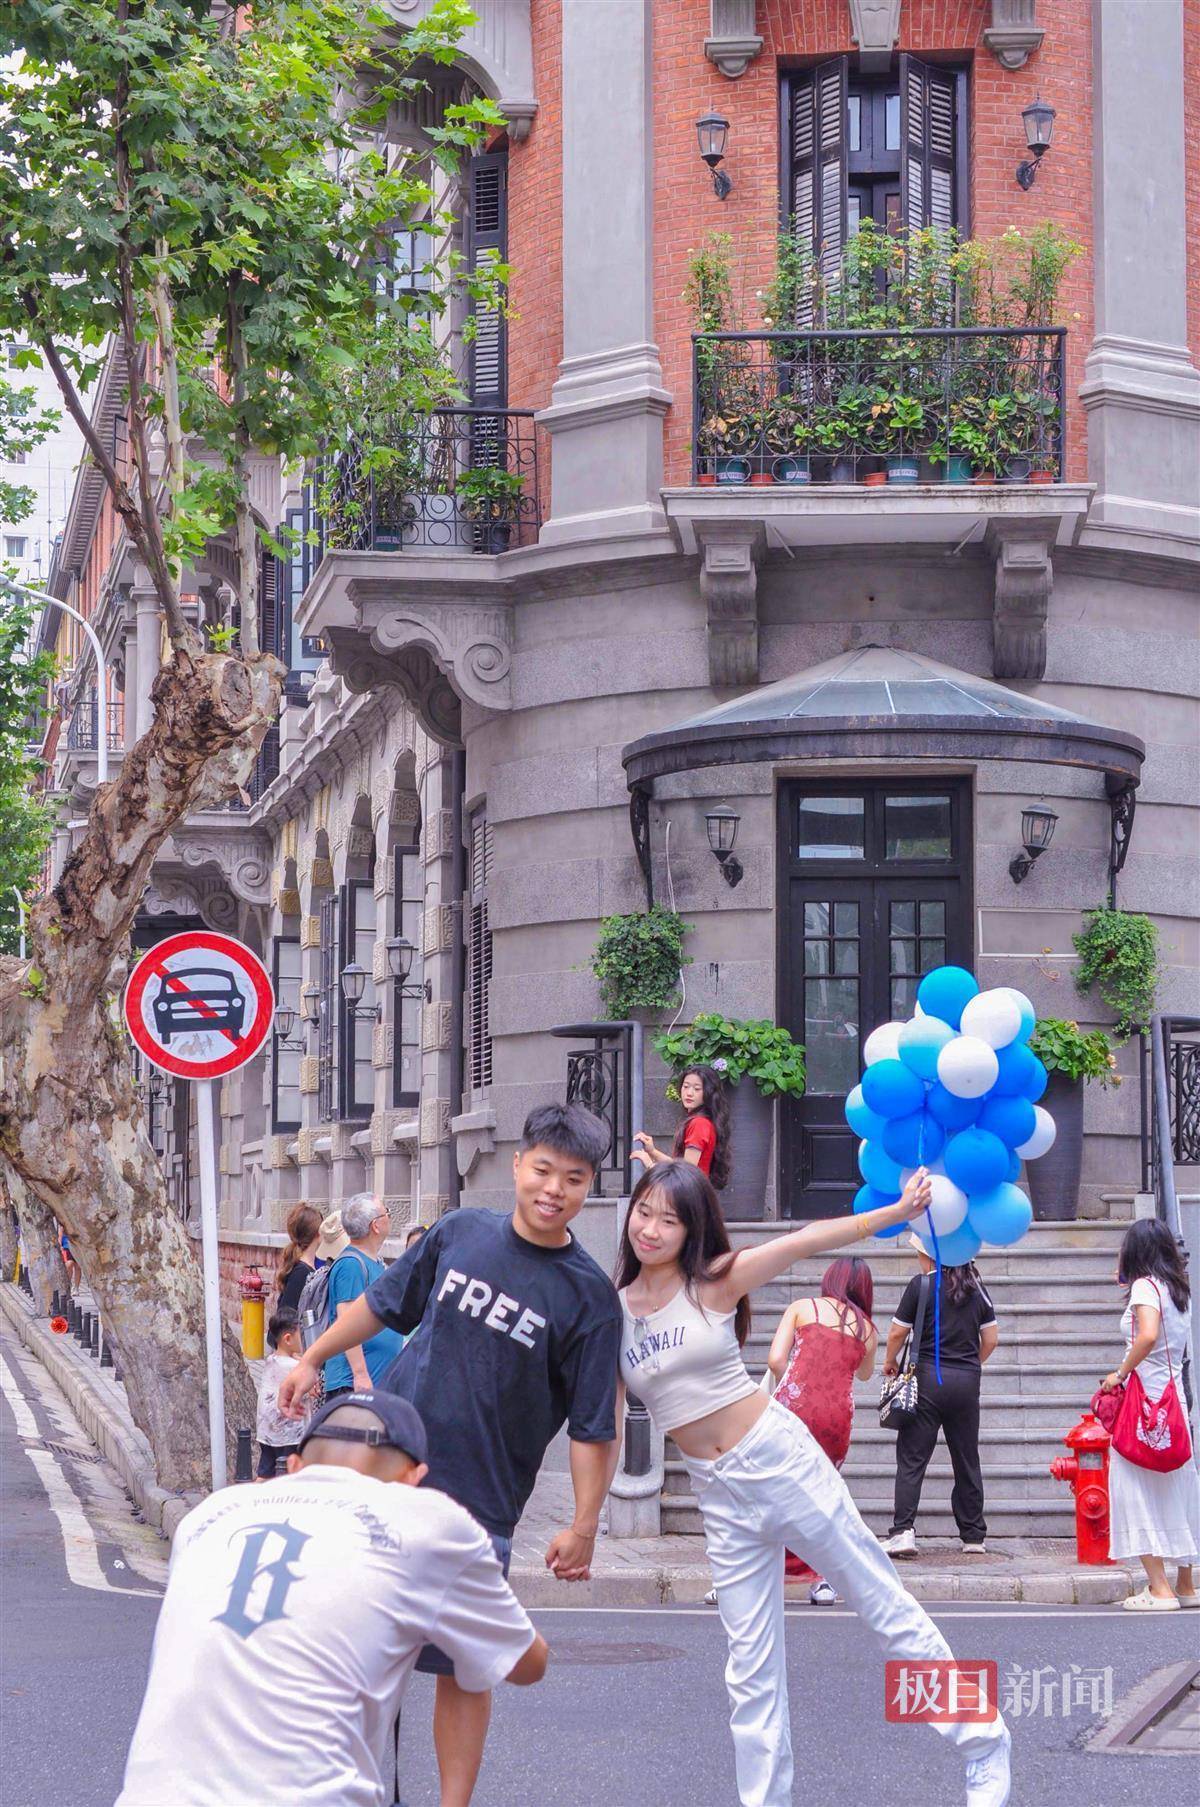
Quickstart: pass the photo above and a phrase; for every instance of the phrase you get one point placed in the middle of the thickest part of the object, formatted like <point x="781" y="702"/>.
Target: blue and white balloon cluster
<point x="955" y="1090"/>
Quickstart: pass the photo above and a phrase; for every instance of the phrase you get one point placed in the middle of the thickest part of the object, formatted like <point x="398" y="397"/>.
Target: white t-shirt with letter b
<point x="293" y="1615"/>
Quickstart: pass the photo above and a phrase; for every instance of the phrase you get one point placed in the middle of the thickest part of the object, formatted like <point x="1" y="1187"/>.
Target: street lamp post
<point x="56" y="602"/>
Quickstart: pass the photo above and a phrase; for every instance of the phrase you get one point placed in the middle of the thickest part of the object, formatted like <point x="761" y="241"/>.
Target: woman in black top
<point x="951" y="1405"/>
<point x="299" y="1258"/>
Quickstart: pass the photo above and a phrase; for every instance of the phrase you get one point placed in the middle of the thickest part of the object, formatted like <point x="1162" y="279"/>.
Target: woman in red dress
<point x="703" y="1137"/>
<point x="820" y="1346"/>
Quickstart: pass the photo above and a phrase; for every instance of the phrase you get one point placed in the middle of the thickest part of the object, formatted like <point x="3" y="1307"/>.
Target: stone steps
<point x="1058" y="1308"/>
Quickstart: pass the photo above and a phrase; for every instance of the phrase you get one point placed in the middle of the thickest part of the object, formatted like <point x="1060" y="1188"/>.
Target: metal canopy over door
<point x="875" y="889"/>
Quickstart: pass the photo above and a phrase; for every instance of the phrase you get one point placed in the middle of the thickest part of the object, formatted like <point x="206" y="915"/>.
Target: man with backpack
<point x="332" y="1289"/>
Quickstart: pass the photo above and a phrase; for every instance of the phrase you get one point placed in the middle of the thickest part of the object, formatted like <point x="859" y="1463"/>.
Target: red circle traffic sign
<point x="199" y="1005"/>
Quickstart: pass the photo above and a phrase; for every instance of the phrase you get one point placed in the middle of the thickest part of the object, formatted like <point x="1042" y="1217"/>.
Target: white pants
<point x="777" y="1489"/>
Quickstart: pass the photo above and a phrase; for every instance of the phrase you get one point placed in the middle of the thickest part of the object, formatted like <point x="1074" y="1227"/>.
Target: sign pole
<point x="206" y="1136"/>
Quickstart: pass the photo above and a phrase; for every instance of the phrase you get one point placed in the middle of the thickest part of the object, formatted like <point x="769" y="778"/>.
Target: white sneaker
<point x="902" y="1543"/>
<point x="710" y="1598"/>
<point x="821" y="1594"/>
<point x="989" y="1778"/>
<point x="974" y="1549"/>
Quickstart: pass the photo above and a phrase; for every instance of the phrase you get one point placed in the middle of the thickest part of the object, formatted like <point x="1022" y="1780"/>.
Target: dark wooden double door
<point x="875" y="887"/>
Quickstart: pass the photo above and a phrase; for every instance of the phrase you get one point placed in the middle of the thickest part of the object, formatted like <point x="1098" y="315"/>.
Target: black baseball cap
<point x="400" y="1425"/>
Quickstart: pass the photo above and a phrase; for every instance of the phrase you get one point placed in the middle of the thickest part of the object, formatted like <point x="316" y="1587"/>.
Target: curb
<point x="101" y="1408"/>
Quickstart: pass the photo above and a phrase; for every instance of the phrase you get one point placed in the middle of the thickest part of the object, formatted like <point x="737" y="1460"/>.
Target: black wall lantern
<point x="286" y="1020"/>
<point x="1037" y="832"/>
<point x="712" y="130"/>
<point x="310" y="1005"/>
<point x="400" y="953"/>
<point x="1038" y="120"/>
<point x="722" y="825"/>
<point x="354" y="983"/>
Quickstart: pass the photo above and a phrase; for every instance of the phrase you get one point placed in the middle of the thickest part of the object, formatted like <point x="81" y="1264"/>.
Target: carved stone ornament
<point x="734" y="42"/>
<point x="1024" y="578"/>
<point x="1014" y="34"/>
<point x="413" y="672"/>
<point x="729" y="588"/>
<point x="874" y="26"/>
<point x="206" y="896"/>
<point x="243" y="859"/>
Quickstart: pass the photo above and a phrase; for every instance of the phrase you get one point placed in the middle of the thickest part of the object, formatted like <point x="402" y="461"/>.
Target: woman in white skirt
<point x="761" y="1479"/>
<point x="1153" y="1516"/>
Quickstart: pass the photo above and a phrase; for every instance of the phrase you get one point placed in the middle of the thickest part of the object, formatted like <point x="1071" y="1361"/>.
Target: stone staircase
<point x="1058" y="1309"/>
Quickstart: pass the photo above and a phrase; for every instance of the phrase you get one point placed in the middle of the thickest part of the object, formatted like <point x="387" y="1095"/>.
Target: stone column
<point x="129" y="654"/>
<point x="148" y="620"/>
<point x="606" y="410"/>
<point x="1141" y="389"/>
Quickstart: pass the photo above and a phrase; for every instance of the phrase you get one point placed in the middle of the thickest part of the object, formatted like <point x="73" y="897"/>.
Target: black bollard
<point x="95" y="1342"/>
<point x="56" y="1308"/>
<point x="69" y="1314"/>
<point x="244" y="1466"/>
<point x="117" y="1372"/>
<point x="84" y="1333"/>
<point x="26" y="1283"/>
<point x="281" y="1464"/>
<point x="106" y="1355"/>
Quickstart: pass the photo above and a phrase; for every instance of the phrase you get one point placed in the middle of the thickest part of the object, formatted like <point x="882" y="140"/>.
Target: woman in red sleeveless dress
<point x="819" y="1347"/>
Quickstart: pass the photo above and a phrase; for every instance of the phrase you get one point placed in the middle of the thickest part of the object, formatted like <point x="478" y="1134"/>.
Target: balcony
<point x="878" y="440"/>
<point x="979" y="405"/>
<point x="457" y="480"/>
<point x="83" y="727"/>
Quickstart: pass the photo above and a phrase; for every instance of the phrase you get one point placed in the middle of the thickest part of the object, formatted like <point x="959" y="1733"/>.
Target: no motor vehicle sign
<point x="199" y="1005"/>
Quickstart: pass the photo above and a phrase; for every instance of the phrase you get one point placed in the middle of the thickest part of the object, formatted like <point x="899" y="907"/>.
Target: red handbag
<point x="1152" y="1433"/>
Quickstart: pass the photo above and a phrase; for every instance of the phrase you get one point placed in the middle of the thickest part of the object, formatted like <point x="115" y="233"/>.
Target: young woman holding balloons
<point x="761" y="1480"/>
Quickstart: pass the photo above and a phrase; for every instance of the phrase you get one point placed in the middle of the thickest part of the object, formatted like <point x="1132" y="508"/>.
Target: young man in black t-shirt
<point x="517" y="1332"/>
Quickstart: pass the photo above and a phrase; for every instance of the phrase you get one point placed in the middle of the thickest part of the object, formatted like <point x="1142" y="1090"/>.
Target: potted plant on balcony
<point x="787" y="436"/>
<point x="904" y="418"/>
<point x="1073" y="1057"/>
<point x="760" y="1062"/>
<point x="491" y="497"/>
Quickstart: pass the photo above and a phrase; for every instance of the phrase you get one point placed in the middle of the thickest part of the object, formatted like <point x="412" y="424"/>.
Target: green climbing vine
<point x="1118" y="954"/>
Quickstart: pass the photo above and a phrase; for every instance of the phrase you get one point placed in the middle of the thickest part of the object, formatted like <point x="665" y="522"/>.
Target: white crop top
<point x="682" y="1362"/>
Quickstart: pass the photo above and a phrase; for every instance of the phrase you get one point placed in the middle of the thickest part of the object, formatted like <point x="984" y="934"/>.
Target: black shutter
<point x="327" y="1026"/>
<point x="928" y="98"/>
<point x="487" y="243"/>
<point x="479" y="957"/>
<point x="818" y="190"/>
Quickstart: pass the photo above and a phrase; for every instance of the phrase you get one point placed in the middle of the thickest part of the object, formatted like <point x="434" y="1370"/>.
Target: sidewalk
<point x="630" y="1571"/>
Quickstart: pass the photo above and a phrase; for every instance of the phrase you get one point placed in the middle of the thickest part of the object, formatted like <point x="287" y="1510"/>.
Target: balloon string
<point x="937" y="1270"/>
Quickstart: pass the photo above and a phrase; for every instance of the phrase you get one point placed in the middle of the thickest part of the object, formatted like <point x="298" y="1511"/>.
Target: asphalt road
<point x="632" y="1714"/>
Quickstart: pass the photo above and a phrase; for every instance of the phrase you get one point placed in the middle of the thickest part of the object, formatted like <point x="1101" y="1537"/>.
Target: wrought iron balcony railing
<point x="459" y="479"/>
<point x="84" y="722"/>
<point x="905" y="405"/>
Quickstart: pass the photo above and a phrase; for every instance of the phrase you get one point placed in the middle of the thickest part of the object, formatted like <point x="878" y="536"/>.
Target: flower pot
<point x="985" y="479"/>
<point x="1054" y="1177"/>
<point x="1041" y="477"/>
<point x="751" y="1120"/>
<point x="903" y="467"/>
<point x="706" y="477"/>
<point x="791" y="469"/>
<point x="874" y="479"/>
<point x="1017" y="470"/>
<point x="762" y="477"/>
<point x="843" y="471"/>
<point x="732" y="469"/>
<point x="954" y="469"/>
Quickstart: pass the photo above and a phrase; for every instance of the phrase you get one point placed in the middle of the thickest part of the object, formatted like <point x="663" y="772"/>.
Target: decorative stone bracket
<point x="439" y="655"/>
<point x="729" y="588"/>
<point x="1024" y="578"/>
<point x="874" y="26"/>
<point x="1014" y="34"/>
<point x="734" y="42"/>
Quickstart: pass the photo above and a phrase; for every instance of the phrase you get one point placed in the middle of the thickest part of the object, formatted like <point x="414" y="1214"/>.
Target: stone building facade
<point x="476" y="717"/>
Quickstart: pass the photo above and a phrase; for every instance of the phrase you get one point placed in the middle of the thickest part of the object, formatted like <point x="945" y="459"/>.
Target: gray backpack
<point x="314" y="1311"/>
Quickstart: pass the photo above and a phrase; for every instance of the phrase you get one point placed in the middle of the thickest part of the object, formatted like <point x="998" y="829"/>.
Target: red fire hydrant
<point x="253" y="1313"/>
<point x="1087" y="1471"/>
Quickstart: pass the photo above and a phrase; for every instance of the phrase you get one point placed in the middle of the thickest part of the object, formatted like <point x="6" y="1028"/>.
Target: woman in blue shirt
<point x="366" y="1222"/>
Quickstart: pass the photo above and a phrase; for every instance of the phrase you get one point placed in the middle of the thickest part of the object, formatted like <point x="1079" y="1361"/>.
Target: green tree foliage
<point x="25" y="821"/>
<point x="219" y="201"/>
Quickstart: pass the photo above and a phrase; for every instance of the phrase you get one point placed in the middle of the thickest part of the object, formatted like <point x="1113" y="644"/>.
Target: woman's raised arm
<point x="754" y="1267"/>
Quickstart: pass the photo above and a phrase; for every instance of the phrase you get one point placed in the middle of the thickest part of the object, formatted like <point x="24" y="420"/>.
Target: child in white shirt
<point x="277" y="1435"/>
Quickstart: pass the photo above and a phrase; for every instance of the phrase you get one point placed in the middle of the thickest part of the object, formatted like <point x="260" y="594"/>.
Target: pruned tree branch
<point x="246" y="539"/>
